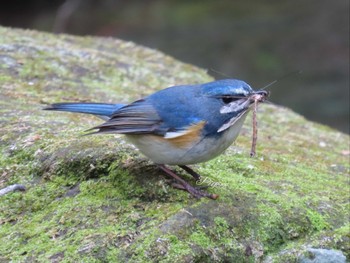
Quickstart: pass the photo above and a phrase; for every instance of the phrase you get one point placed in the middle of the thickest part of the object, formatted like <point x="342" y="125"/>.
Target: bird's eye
<point x="227" y="100"/>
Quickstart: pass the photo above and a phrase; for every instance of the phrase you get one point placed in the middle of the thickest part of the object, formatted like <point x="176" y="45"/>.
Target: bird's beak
<point x="259" y="96"/>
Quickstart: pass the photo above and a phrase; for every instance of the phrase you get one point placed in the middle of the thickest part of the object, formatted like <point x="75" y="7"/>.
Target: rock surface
<point x="95" y="198"/>
<point x="323" y="256"/>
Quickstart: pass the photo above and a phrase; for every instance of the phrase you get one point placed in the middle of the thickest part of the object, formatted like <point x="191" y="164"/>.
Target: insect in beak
<point x="255" y="98"/>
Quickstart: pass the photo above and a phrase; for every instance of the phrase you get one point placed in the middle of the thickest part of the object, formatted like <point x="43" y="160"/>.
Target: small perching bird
<point x="180" y="125"/>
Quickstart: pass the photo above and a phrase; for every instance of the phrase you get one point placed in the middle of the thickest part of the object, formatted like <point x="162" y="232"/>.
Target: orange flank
<point x="190" y="136"/>
<point x="182" y="139"/>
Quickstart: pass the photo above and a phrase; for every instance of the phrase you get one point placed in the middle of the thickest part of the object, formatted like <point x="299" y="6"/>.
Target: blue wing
<point x="139" y="117"/>
<point x="168" y="113"/>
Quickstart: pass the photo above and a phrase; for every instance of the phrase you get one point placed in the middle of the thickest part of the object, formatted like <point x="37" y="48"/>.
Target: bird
<point x="179" y="125"/>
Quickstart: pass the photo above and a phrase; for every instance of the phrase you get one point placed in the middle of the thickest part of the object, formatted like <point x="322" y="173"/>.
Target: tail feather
<point x="101" y="109"/>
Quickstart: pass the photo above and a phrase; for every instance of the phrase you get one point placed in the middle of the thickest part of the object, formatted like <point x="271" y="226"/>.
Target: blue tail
<point x="101" y="109"/>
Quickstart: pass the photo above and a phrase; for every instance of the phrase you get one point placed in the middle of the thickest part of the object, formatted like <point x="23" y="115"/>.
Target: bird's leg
<point x="185" y="186"/>
<point x="195" y="175"/>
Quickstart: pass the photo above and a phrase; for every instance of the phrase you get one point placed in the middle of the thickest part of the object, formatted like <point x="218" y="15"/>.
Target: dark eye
<point x="227" y="100"/>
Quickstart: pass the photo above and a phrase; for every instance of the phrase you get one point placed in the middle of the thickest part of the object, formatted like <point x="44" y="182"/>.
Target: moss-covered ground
<point x="96" y="199"/>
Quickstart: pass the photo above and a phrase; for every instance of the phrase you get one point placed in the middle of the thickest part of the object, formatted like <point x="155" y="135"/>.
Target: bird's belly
<point x="163" y="151"/>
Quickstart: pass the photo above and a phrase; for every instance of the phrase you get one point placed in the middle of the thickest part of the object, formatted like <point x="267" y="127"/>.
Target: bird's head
<point x="235" y="95"/>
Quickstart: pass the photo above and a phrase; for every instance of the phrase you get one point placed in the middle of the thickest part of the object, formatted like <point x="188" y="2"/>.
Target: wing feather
<point x="139" y="117"/>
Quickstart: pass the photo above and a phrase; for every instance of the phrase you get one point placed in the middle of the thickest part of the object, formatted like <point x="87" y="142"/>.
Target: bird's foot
<point x="183" y="185"/>
<point x="196" y="192"/>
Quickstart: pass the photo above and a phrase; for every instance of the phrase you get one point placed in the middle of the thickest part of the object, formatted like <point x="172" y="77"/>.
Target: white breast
<point x="162" y="151"/>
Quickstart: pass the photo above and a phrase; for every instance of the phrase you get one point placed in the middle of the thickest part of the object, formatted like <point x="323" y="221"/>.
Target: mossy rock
<point x="96" y="199"/>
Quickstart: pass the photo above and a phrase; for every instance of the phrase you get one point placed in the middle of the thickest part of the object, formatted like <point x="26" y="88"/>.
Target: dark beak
<point x="264" y="93"/>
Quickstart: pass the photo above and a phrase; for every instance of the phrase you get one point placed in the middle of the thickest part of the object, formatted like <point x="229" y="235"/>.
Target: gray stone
<point x="320" y="255"/>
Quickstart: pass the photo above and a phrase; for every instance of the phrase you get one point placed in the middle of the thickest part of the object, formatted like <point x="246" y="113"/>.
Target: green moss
<point x="318" y="221"/>
<point x="177" y="248"/>
<point x="201" y="239"/>
<point x="95" y="198"/>
<point x="221" y="225"/>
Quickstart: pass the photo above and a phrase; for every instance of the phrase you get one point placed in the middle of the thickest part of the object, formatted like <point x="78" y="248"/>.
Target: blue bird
<point x="180" y="125"/>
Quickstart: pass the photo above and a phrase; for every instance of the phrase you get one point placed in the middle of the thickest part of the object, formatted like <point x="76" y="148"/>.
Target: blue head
<point x="227" y="88"/>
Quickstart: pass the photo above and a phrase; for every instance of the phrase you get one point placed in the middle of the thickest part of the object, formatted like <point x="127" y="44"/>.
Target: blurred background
<point x="257" y="41"/>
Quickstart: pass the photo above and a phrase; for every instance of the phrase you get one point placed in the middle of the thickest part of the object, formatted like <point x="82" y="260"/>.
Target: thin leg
<point x="191" y="172"/>
<point x="185" y="186"/>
